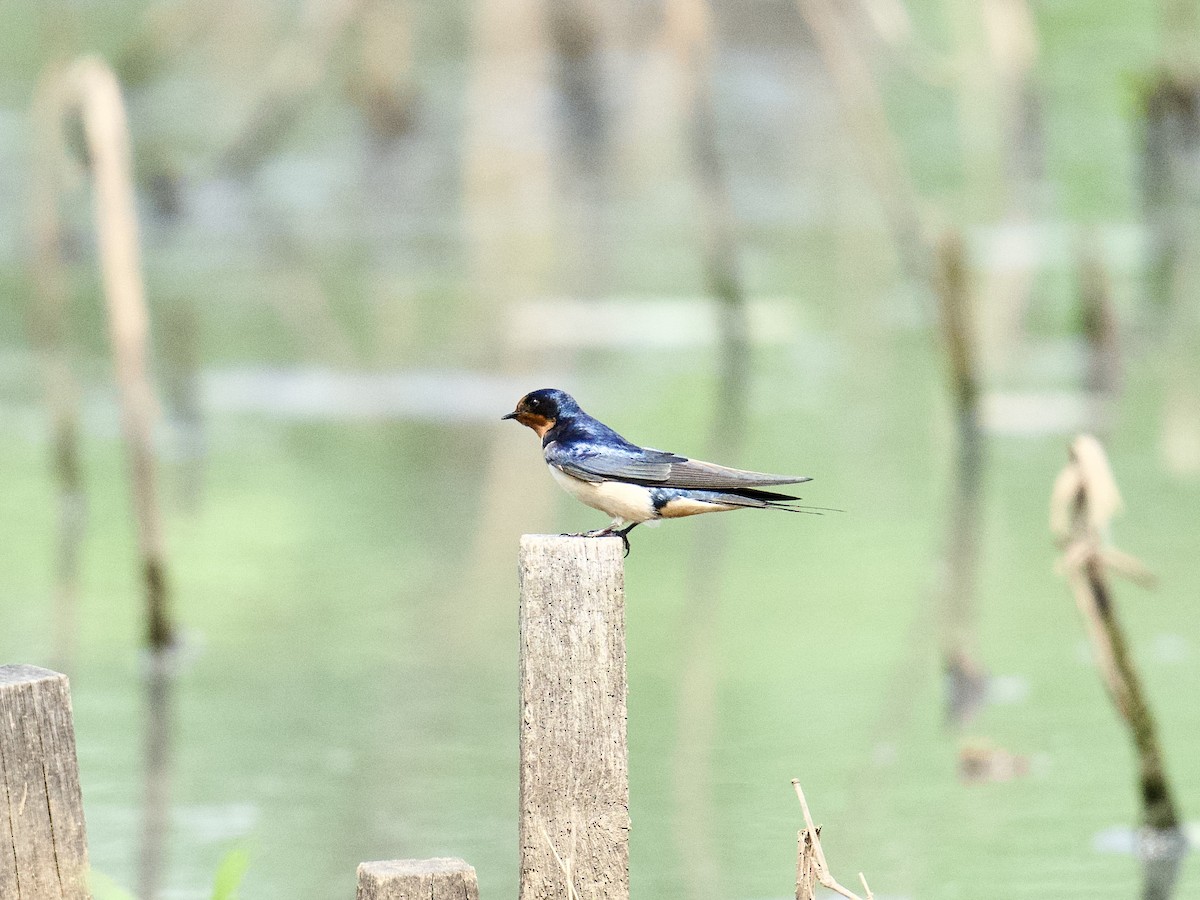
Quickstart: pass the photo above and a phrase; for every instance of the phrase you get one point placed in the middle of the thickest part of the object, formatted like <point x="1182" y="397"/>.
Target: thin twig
<point x="822" y="867"/>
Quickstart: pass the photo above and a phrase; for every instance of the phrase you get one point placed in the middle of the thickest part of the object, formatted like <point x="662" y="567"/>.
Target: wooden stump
<point x="43" y="843"/>
<point x="574" y="826"/>
<point x="444" y="878"/>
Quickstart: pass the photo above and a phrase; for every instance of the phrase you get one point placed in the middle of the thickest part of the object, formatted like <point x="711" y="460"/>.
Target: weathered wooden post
<point x="574" y="827"/>
<point x="43" y="844"/>
<point x="442" y="878"/>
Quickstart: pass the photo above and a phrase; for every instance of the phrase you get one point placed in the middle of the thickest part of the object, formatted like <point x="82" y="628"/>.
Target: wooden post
<point x="443" y="878"/>
<point x="806" y="866"/>
<point x="43" y="844"/>
<point x="574" y="827"/>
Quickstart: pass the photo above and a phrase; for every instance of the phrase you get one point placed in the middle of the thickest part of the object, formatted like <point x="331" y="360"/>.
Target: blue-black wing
<point x="641" y="465"/>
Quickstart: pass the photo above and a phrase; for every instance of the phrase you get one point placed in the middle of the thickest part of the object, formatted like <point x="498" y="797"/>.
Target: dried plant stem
<point x="89" y="88"/>
<point x="1083" y="503"/>
<point x="862" y="105"/>
<point x="1101" y="330"/>
<point x="689" y="34"/>
<point x="49" y="320"/>
<point x="295" y="71"/>
<point x="382" y="84"/>
<point x="818" y="865"/>
<point x="965" y="677"/>
<point x="507" y="207"/>
<point x="940" y="266"/>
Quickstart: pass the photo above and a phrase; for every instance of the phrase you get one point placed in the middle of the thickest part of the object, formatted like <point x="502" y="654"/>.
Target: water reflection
<point x="1161" y="853"/>
<point x="688" y="30"/>
<point x="159" y="672"/>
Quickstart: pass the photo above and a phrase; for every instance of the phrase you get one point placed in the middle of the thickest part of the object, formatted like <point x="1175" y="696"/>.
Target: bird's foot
<point x="610" y="531"/>
<point x="623" y="534"/>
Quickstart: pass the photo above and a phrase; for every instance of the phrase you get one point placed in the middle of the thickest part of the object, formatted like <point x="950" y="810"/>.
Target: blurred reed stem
<point x="158" y="684"/>
<point x="1171" y="195"/>
<point x="50" y="331"/>
<point x="381" y="83"/>
<point x="89" y="89"/>
<point x="689" y="35"/>
<point x="1084" y="501"/>
<point x="866" y="118"/>
<point x="966" y="679"/>
<point x="168" y="30"/>
<point x="941" y="267"/>
<point x="507" y="202"/>
<point x="1101" y="332"/>
<point x="295" y="71"/>
<point x="581" y="36"/>
<point x="1005" y="105"/>
<point x="1180" y="29"/>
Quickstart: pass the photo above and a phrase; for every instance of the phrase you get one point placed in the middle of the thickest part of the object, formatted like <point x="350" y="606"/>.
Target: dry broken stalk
<point x="812" y="860"/>
<point x="88" y="89"/>
<point x="51" y="293"/>
<point x="1082" y="505"/>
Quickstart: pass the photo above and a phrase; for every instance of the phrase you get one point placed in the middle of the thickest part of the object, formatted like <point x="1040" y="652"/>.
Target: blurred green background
<point x="369" y="227"/>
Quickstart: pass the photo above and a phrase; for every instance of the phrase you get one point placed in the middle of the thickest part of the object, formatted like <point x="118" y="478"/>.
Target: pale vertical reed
<point x="89" y="89"/>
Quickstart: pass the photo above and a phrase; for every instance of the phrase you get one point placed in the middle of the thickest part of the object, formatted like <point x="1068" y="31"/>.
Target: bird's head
<point x="541" y="410"/>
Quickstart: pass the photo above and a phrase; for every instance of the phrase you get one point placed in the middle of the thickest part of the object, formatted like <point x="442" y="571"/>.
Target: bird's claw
<point x="623" y="534"/>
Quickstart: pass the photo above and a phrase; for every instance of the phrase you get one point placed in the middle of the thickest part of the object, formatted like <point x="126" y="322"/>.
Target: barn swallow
<point x="636" y="484"/>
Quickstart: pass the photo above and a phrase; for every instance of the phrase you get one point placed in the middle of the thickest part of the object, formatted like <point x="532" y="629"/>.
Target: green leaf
<point x="229" y="874"/>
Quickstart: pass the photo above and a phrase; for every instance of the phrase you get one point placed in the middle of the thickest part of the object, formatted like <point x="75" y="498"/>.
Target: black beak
<point x="511" y="415"/>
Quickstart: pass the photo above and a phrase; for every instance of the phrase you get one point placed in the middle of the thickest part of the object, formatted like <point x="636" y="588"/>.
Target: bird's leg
<point x="610" y="530"/>
<point x="623" y="534"/>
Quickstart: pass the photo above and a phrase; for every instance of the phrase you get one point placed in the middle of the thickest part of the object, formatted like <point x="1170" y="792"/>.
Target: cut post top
<point x="42" y="832"/>
<point x="23" y="674"/>
<point x="573" y="546"/>
<point x="438" y="865"/>
<point x="441" y="878"/>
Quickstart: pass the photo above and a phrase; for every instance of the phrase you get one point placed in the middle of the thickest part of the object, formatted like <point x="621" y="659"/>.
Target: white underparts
<point x="629" y="503"/>
<point x="626" y="503"/>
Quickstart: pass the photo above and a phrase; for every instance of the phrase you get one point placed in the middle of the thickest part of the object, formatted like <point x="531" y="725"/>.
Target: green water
<point x="349" y="694"/>
<point x="347" y="688"/>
